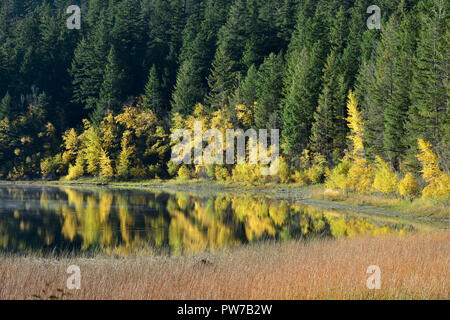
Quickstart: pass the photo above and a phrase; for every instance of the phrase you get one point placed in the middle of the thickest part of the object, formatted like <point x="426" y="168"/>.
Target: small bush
<point x="386" y="180"/>
<point x="337" y="178"/>
<point x="184" y="173"/>
<point x="51" y="166"/>
<point x="284" y="172"/>
<point x="316" y="174"/>
<point x="408" y="186"/>
<point x="221" y="173"/>
<point x="172" y="168"/>
<point x="301" y="177"/>
<point x="76" y="171"/>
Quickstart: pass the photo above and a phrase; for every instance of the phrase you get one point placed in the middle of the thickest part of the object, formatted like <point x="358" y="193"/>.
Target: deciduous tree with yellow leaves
<point x="438" y="181"/>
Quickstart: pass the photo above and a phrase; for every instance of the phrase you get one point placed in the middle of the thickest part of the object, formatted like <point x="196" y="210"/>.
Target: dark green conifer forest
<point x="103" y="100"/>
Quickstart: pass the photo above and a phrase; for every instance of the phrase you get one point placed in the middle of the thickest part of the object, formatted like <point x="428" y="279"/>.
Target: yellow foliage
<point x="245" y="115"/>
<point x="301" y="177"/>
<point x="109" y="131"/>
<point x="337" y="178"/>
<point x="284" y="171"/>
<point x="51" y="165"/>
<point x="184" y="173"/>
<point x="438" y="181"/>
<point x="72" y="146"/>
<point x="356" y="125"/>
<point x="386" y="180"/>
<point x="316" y="173"/>
<point x="93" y="149"/>
<point x="123" y="168"/>
<point x="138" y="120"/>
<point x="360" y="176"/>
<point x="247" y="173"/>
<point x="356" y="175"/>
<point x="77" y="170"/>
<point x="429" y="161"/>
<point x="106" y="170"/>
<point x="221" y="173"/>
<point x="408" y="186"/>
<point x="138" y="172"/>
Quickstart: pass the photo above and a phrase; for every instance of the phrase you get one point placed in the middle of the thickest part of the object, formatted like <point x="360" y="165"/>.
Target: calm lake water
<point x="118" y="221"/>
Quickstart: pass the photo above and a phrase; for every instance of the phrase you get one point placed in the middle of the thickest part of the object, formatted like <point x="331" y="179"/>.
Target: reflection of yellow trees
<point x="349" y="227"/>
<point x="114" y="223"/>
<point x="255" y="216"/>
<point x="70" y="224"/>
<point x="126" y="220"/>
<point x="197" y="227"/>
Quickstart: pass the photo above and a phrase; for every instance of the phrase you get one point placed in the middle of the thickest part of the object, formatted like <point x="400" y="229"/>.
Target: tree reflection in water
<point x="125" y="222"/>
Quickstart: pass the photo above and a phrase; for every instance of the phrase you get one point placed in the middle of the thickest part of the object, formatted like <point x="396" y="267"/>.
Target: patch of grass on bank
<point x="413" y="266"/>
<point x="417" y="207"/>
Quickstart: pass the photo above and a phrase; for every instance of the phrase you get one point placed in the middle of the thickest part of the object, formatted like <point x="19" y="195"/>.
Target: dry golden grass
<point x="414" y="266"/>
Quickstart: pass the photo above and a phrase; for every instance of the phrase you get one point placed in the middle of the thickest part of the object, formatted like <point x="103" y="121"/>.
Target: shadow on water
<point x="121" y="222"/>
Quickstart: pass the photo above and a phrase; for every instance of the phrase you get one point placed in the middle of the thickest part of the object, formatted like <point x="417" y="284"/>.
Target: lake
<point x="122" y="222"/>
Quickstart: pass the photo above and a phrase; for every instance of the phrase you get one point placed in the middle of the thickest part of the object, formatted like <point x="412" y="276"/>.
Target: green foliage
<point x="52" y="166"/>
<point x="139" y="69"/>
<point x="153" y="97"/>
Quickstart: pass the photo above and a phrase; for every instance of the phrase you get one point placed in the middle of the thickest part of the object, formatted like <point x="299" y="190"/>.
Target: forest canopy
<point x="103" y="100"/>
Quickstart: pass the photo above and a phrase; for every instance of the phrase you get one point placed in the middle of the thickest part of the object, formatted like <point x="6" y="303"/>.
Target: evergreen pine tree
<point x="153" y="97"/>
<point x="222" y="79"/>
<point x="396" y="112"/>
<point x="328" y="134"/>
<point x="6" y="106"/>
<point x="429" y="115"/>
<point x="111" y="95"/>
<point x="269" y="91"/>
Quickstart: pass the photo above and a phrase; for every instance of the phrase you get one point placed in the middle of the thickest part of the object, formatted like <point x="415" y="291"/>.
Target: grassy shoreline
<point x="413" y="266"/>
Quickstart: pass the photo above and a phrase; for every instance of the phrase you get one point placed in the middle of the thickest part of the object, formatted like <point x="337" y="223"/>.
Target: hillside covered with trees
<point x="359" y="109"/>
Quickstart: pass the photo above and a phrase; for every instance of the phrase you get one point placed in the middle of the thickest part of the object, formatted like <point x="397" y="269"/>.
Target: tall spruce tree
<point x="6" y="106"/>
<point x="269" y="92"/>
<point x="429" y="116"/>
<point x="111" y="94"/>
<point x="328" y="134"/>
<point x="153" y="97"/>
<point x="396" y="112"/>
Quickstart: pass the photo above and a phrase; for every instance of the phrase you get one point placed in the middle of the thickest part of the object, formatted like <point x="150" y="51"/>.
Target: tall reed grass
<point x="413" y="266"/>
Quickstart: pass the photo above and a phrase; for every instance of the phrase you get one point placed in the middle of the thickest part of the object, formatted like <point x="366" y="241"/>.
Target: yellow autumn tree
<point x="106" y="169"/>
<point x="245" y="115"/>
<point x="124" y="165"/>
<point x="92" y="148"/>
<point x="408" y="186"/>
<point x="354" y="172"/>
<point x="76" y="171"/>
<point x="109" y="132"/>
<point x="71" y="145"/>
<point x="438" y="181"/>
<point x="386" y="180"/>
<point x="360" y="173"/>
